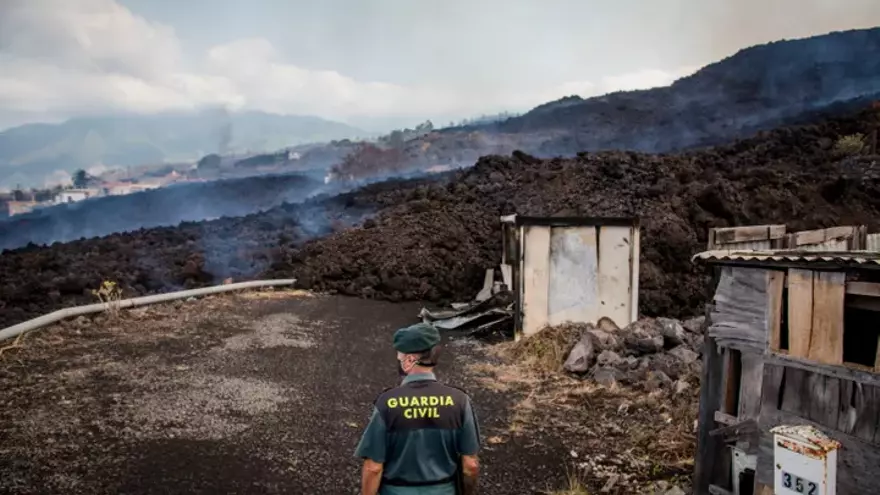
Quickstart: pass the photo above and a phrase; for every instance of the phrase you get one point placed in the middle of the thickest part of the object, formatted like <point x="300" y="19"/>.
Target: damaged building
<point x="554" y="270"/>
<point x="790" y="395"/>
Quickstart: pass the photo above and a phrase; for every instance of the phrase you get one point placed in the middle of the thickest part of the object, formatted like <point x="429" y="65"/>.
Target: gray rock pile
<point x="651" y="353"/>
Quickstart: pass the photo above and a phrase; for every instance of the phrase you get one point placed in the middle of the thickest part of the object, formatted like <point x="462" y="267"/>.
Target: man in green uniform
<point x="423" y="436"/>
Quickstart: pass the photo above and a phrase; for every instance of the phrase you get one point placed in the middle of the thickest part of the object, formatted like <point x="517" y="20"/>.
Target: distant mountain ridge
<point x="31" y="152"/>
<point x="788" y="82"/>
<point x="757" y="88"/>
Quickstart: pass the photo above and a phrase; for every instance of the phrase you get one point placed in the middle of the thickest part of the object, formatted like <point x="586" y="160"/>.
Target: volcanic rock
<point x="684" y="354"/>
<point x="581" y="356"/>
<point x="672" y="331"/>
<point x="609" y="359"/>
<point x="607" y="377"/>
<point x="694" y="325"/>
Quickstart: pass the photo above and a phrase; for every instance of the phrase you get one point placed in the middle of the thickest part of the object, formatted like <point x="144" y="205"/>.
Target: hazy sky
<point x="372" y="62"/>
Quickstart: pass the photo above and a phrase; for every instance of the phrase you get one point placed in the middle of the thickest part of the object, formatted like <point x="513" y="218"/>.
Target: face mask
<point x="400" y="370"/>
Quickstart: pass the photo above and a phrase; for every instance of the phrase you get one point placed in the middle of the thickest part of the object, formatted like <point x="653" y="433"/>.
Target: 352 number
<point x="798" y="484"/>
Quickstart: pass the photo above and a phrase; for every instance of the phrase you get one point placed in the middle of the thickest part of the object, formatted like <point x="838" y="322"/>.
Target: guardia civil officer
<point x="423" y="436"/>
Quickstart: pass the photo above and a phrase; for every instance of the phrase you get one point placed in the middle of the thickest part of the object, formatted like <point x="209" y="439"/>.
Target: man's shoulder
<point x="388" y="392"/>
<point x="383" y="394"/>
<point x="456" y="389"/>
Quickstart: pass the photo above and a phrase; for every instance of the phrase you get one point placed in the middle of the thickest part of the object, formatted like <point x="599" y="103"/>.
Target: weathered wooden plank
<point x="826" y="343"/>
<point x="507" y="275"/>
<point x="823" y="399"/>
<point x="872" y="242"/>
<point x="772" y="386"/>
<point x="733" y="432"/>
<point x="844" y="232"/>
<point x="723" y="475"/>
<point x="818" y="236"/>
<point x="707" y="460"/>
<point x="856" y="463"/>
<point x="750" y="389"/>
<point x="777" y="231"/>
<point x="795" y="394"/>
<point x="860" y="239"/>
<point x="728" y="235"/>
<point x="868" y="303"/>
<point x="724" y="418"/>
<point x="536" y="276"/>
<point x="876" y="440"/>
<point x="775" y="285"/>
<point x="877" y="359"/>
<point x="717" y="490"/>
<point x="800" y="311"/>
<point x="731" y="381"/>
<point x="831" y="400"/>
<point x="614" y="278"/>
<point x="846" y="411"/>
<point x="831" y="245"/>
<point x="867" y="411"/>
<point x="739" y="314"/>
<point x="845" y="372"/>
<point x="816" y="388"/>
<point x="805" y="237"/>
<point x="863" y="289"/>
<point x="752" y="378"/>
<point x="859" y="411"/>
<point x="635" y="252"/>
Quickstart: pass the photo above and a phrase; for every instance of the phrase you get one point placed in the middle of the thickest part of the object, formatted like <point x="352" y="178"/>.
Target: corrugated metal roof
<point x="792" y="256"/>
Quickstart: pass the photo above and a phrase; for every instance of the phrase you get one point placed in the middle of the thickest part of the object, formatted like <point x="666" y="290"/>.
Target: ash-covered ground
<point x="268" y="392"/>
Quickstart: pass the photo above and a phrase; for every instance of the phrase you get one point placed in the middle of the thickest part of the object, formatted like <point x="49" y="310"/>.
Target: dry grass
<point x="575" y="486"/>
<point x="110" y="294"/>
<point x="546" y="350"/>
<point x="622" y="434"/>
<point x="274" y="293"/>
<point x="16" y="344"/>
<point x="852" y="144"/>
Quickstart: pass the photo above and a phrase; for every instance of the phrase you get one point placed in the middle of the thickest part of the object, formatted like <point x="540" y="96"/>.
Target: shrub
<point x="852" y="144"/>
<point x="109" y="294"/>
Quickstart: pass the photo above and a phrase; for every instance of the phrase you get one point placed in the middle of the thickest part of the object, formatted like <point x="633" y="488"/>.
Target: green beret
<point x="416" y="338"/>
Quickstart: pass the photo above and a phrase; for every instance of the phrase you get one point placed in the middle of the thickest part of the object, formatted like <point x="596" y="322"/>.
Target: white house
<point x="123" y="188"/>
<point x="74" y="195"/>
<point x="21" y="207"/>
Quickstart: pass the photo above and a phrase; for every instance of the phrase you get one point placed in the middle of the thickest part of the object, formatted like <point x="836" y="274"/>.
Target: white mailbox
<point x="805" y="461"/>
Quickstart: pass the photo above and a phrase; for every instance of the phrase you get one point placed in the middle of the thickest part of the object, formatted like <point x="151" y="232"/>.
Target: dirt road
<point x="265" y="392"/>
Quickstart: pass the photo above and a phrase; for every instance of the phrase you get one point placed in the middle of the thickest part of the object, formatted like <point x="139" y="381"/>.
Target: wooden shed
<point x="575" y="269"/>
<point x="791" y="339"/>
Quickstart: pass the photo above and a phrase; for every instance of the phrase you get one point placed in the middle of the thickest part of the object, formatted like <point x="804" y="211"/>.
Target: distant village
<point x="130" y="180"/>
<point x="19" y="202"/>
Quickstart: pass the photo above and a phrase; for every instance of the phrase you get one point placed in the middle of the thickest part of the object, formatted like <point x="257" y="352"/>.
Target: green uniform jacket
<point x="418" y="431"/>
